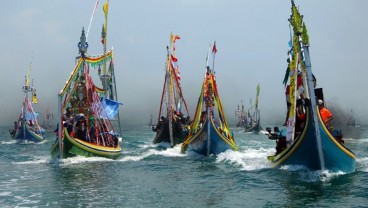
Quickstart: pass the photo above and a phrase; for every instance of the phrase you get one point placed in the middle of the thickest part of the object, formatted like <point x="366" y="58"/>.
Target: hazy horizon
<point x="251" y="38"/>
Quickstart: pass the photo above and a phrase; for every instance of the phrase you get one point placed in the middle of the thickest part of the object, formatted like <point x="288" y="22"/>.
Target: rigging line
<point x="91" y="19"/>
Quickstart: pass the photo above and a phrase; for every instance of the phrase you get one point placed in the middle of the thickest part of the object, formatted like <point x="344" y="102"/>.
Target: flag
<point x="257" y="96"/>
<point x="173" y="58"/>
<point x="174" y="38"/>
<point x="111" y="107"/>
<point x="34" y="99"/>
<point x="106" y="8"/>
<point x="290" y="43"/>
<point x="103" y="34"/>
<point x="31" y="116"/>
<point x="214" y="49"/>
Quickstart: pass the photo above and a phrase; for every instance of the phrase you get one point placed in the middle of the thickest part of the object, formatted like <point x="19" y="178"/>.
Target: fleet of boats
<point x="88" y="120"/>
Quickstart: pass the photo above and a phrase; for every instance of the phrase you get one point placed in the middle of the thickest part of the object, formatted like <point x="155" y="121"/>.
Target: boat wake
<point x="247" y="159"/>
<point x="311" y="176"/>
<point x="149" y="150"/>
<point x="81" y="159"/>
<point x="8" y="142"/>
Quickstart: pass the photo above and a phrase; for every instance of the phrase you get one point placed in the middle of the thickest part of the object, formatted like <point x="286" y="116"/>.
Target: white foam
<point x="8" y="142"/>
<point x="5" y="193"/>
<point x="363" y="162"/>
<point x="37" y="160"/>
<point x="169" y="152"/>
<point x="247" y="159"/>
<point x="81" y="159"/>
<point x="311" y="176"/>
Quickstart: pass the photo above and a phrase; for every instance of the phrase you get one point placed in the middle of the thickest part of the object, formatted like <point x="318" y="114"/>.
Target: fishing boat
<point x="173" y="120"/>
<point x="308" y="141"/>
<point x="85" y="126"/>
<point x="241" y="115"/>
<point x="254" y="115"/>
<point x="209" y="134"/>
<point x="27" y="128"/>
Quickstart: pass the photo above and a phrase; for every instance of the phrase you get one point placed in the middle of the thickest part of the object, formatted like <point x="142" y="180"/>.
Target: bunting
<point x="214" y="49"/>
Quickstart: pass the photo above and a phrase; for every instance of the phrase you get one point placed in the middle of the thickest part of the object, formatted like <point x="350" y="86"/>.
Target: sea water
<point x="148" y="175"/>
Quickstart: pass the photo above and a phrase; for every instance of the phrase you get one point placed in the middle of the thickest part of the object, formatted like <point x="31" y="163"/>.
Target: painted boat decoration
<point x="209" y="134"/>
<point x="173" y="117"/>
<point x="308" y="140"/>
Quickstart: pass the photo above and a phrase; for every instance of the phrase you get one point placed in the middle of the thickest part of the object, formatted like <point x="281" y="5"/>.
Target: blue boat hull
<point x="304" y="151"/>
<point x="209" y="141"/>
<point x="26" y="134"/>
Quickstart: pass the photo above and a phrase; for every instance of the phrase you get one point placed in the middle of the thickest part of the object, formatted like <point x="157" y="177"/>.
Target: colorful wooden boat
<point x="208" y="134"/>
<point x="172" y="124"/>
<point x="27" y="127"/>
<point x="85" y="112"/>
<point x="314" y="145"/>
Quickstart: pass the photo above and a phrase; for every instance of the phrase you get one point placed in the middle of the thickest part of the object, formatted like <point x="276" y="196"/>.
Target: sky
<point x="251" y="38"/>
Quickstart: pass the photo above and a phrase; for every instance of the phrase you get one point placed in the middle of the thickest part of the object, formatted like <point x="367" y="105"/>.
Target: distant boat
<point x="307" y="140"/>
<point x="27" y="128"/>
<point x="254" y="116"/>
<point x="209" y="134"/>
<point x="241" y="115"/>
<point x="85" y="110"/>
<point x="173" y="117"/>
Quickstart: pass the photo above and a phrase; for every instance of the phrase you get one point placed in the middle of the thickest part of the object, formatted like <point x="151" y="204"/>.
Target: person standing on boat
<point x="68" y="120"/>
<point x="300" y="118"/>
<point x="325" y="114"/>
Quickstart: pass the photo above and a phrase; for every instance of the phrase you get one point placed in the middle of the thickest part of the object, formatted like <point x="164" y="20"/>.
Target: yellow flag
<point x="106" y="8"/>
<point x="34" y="99"/>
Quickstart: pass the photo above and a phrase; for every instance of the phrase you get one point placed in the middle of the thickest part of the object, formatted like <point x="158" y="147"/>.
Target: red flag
<point x="173" y="58"/>
<point x="175" y="37"/>
<point x="214" y="49"/>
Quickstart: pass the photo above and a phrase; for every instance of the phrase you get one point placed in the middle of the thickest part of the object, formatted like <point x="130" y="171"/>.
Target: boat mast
<point x="107" y="76"/>
<point x="170" y="91"/>
<point x="208" y="105"/>
<point x="25" y="110"/>
<point x="303" y="40"/>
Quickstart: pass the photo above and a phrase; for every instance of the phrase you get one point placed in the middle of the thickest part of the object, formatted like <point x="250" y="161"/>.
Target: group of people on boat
<point x="300" y="117"/>
<point x="79" y="127"/>
<point x="179" y="119"/>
